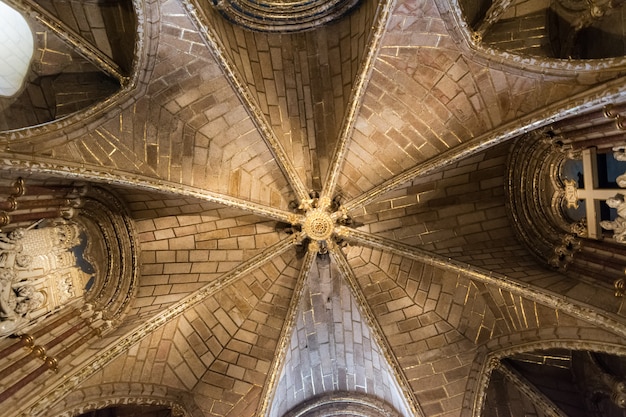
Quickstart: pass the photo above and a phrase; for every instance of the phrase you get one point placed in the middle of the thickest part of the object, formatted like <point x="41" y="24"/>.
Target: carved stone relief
<point x="177" y="410"/>
<point x="617" y="202"/>
<point x="38" y="273"/>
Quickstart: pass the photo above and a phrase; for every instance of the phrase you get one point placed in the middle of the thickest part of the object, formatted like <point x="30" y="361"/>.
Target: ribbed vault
<point x="319" y="214"/>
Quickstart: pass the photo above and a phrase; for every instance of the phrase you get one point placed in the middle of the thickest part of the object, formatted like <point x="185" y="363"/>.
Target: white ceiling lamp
<point x="16" y="50"/>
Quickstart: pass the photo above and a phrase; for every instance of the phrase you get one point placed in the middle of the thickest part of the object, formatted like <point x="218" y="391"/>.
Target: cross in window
<point x="590" y="192"/>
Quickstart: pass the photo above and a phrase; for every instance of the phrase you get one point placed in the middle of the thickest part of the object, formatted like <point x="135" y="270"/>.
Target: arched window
<point x="566" y="187"/>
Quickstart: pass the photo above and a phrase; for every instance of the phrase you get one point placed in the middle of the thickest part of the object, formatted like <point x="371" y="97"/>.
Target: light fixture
<point x="16" y="50"/>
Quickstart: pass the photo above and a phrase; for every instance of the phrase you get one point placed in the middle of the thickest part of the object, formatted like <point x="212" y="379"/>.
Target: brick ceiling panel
<point x="324" y="211"/>
<point x="94" y="21"/>
<point x="182" y="253"/>
<point x="59" y="82"/>
<point x="434" y="321"/>
<point x="412" y="22"/>
<point x="415" y="306"/>
<point x="244" y="324"/>
<point x="190" y="128"/>
<point x="461" y="210"/>
<point x="300" y="84"/>
<point x="421" y="102"/>
<point x="332" y="348"/>
<point x="156" y="360"/>
<point x="220" y="349"/>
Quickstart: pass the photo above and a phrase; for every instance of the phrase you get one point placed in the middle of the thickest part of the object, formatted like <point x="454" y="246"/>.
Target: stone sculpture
<point x="33" y="276"/>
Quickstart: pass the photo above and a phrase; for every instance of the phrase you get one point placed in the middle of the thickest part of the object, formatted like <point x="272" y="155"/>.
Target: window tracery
<point x="566" y="198"/>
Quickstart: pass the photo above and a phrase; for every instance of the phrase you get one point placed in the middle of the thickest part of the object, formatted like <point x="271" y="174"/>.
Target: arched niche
<point x="69" y="70"/>
<point x="561" y="38"/>
<point x="77" y="88"/>
<point x="63" y="247"/>
<point x="343" y="404"/>
<point x="573" y="378"/>
<point x="559" y="215"/>
<point x="125" y="397"/>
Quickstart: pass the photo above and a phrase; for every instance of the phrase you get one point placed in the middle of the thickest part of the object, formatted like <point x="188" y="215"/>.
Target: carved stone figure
<point x="618" y="226"/>
<point x="619" y="153"/>
<point x="7" y="311"/>
<point x="38" y="273"/>
<point x="10" y="247"/>
<point x="617" y="202"/>
<point x="16" y="301"/>
<point x="27" y="299"/>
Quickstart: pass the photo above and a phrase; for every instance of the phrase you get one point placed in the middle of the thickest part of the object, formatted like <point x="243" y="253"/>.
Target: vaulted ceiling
<point x="319" y="201"/>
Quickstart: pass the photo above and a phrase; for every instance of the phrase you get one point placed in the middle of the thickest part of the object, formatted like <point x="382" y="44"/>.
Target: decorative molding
<point x="118" y="283"/>
<point x="576" y="104"/>
<point x="73" y="126"/>
<point x="71" y="380"/>
<point x="282" y="17"/>
<point x="492" y="361"/>
<point x="318" y="224"/>
<point x="38" y="165"/>
<point x="495" y="11"/>
<point x="620" y="286"/>
<point x="576" y="308"/>
<point x="463" y="36"/>
<point x="350" y="403"/>
<point x="381" y="20"/>
<point x="564" y="251"/>
<point x="538" y="398"/>
<point x="75" y="40"/>
<point x="269" y="388"/>
<point x="571" y="193"/>
<point x="202" y="23"/>
<point x="536" y="194"/>
<point x="376" y="330"/>
<point x="178" y="410"/>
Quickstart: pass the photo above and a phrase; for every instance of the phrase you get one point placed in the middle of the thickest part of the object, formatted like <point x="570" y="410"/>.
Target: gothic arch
<point x="56" y="339"/>
<point x="73" y="244"/>
<point x="489" y="355"/>
<point x="116" y="288"/>
<point x="87" y="399"/>
<point x="459" y="28"/>
<point x="338" y="403"/>
<point x="70" y="127"/>
<point x="540" y="197"/>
